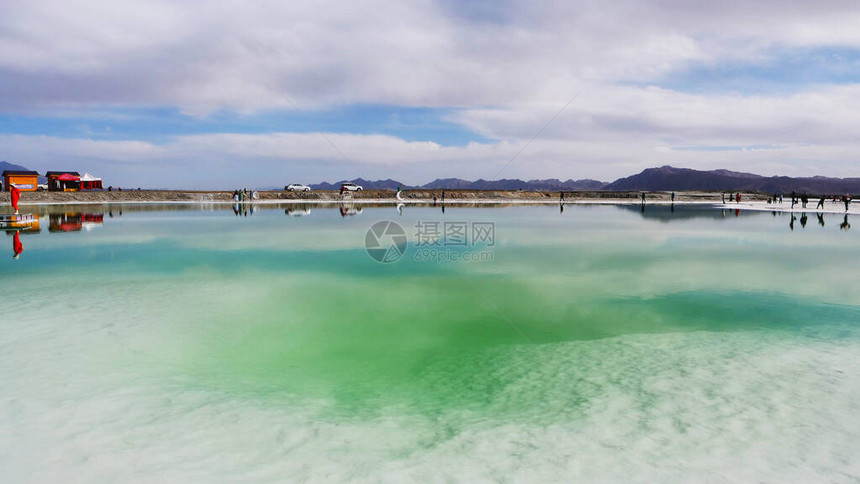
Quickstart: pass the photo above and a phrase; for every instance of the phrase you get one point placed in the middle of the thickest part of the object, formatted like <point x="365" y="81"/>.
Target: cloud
<point x="232" y="55"/>
<point x="500" y="69"/>
<point x="223" y="160"/>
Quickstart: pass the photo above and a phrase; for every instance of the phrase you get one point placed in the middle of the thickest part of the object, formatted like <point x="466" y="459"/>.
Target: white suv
<point x="350" y="187"/>
<point x="297" y="187"/>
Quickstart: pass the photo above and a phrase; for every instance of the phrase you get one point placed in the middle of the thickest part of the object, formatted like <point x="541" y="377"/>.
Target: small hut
<point x="26" y="181"/>
<point x="89" y="182"/>
<point x="63" y="181"/>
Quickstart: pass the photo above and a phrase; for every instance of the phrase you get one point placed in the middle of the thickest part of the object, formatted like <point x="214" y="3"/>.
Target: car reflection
<point x="297" y="211"/>
<point x="349" y="209"/>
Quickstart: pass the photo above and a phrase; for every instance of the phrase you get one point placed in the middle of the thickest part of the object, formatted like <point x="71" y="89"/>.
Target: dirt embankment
<point x="388" y="195"/>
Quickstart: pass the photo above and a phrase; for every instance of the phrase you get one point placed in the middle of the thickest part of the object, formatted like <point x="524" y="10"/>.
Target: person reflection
<point x="561" y="207"/>
<point x="791" y="224"/>
<point x="443" y="206"/>
<point x="672" y="206"/>
<point x="803" y="220"/>
<point x="845" y="225"/>
<point x="17" y="247"/>
<point x="820" y="219"/>
<point x="236" y="209"/>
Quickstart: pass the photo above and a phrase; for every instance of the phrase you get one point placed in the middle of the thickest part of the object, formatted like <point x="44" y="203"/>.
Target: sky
<point x="224" y="94"/>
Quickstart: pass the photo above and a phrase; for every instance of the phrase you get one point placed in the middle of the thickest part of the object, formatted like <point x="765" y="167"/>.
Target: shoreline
<point x="750" y="201"/>
<point x="365" y="196"/>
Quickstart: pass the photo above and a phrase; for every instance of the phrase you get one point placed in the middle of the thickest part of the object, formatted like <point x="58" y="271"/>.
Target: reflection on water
<point x="15" y="225"/>
<point x="298" y="210"/>
<point x="348" y="209"/>
<point x="71" y="218"/>
<point x="74" y="221"/>
<point x="597" y="332"/>
<point x="78" y="218"/>
<point x="17" y="247"/>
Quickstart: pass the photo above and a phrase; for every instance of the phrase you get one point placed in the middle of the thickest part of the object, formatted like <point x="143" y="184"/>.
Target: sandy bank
<point x="369" y="196"/>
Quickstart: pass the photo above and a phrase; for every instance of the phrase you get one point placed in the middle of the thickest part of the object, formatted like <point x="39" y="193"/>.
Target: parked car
<point x="350" y="187"/>
<point x="42" y="186"/>
<point x="297" y="187"/>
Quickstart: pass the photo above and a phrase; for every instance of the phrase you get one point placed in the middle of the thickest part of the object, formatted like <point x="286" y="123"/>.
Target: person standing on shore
<point x="443" y="196"/>
<point x="673" y="197"/>
<point x="821" y="202"/>
<point x="846" y="199"/>
<point x="738" y="197"/>
<point x="561" y="196"/>
<point x="643" y="198"/>
<point x="16" y="195"/>
<point x="723" y="196"/>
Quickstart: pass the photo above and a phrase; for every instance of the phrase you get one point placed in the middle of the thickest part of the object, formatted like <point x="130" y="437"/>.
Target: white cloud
<point x="504" y="68"/>
<point x="275" y="159"/>
<point x="236" y="55"/>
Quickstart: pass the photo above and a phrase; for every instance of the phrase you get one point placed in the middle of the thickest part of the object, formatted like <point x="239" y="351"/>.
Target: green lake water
<point x="598" y="342"/>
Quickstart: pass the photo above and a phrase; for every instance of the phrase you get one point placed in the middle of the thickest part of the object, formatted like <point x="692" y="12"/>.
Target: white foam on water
<point x="695" y="407"/>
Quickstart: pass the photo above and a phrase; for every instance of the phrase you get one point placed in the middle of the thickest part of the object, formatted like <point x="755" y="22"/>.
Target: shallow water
<point x="599" y="343"/>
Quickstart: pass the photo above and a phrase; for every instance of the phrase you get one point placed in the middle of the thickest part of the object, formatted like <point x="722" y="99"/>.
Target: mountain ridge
<point x="667" y="178"/>
<point x="663" y="178"/>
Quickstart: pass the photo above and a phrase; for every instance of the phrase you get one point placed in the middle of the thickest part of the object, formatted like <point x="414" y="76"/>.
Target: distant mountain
<point x="5" y="165"/>
<point x="664" y="178"/>
<point x="669" y="178"/>
<point x="460" y="184"/>
<point x="366" y="184"/>
<point x="556" y="184"/>
<point x="551" y="184"/>
<point x="449" y="183"/>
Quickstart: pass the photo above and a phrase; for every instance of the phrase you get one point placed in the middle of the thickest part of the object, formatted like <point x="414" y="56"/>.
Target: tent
<point x="63" y="181"/>
<point x="89" y="182"/>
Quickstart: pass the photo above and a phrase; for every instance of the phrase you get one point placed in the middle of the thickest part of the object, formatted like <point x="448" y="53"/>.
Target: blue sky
<point x="166" y="94"/>
<point x="157" y="125"/>
<point x="775" y="71"/>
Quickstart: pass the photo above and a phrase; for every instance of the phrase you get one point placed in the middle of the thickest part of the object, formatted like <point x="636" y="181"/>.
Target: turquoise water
<point x="599" y="343"/>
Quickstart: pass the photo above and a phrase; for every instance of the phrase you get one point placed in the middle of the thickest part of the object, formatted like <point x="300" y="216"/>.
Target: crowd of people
<point x="803" y="199"/>
<point x="797" y="198"/>
<point x="244" y="195"/>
